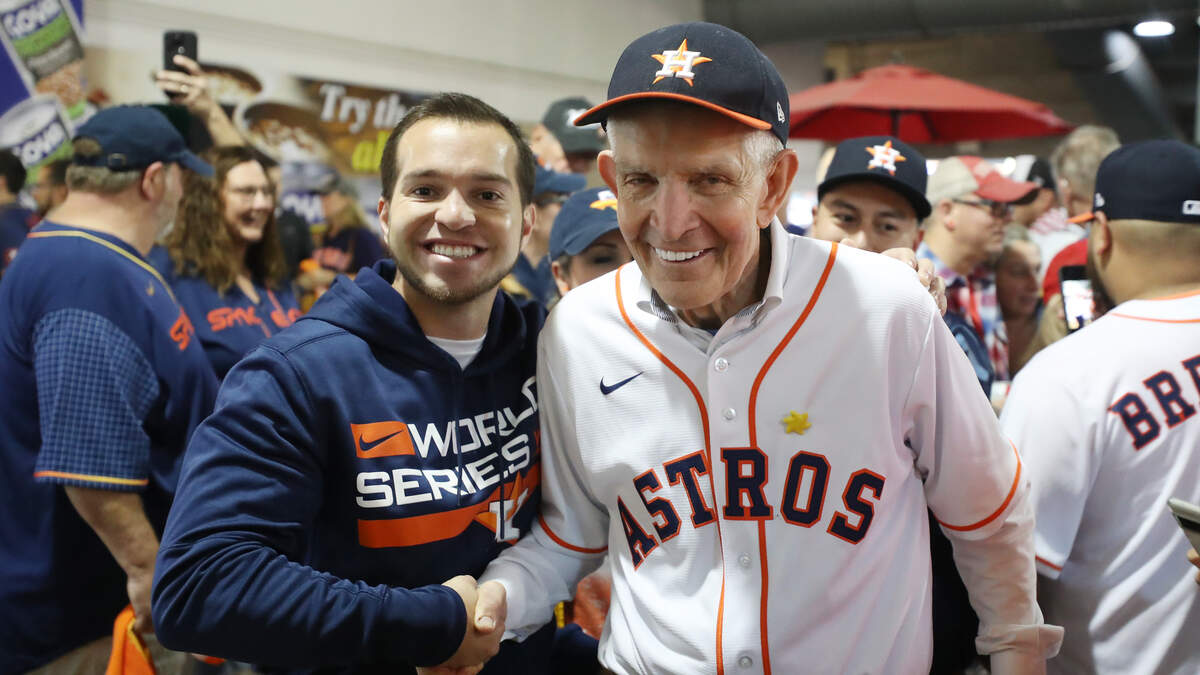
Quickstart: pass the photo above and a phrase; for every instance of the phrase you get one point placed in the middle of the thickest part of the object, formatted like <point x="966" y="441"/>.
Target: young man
<point x="384" y="442"/>
<point x="103" y="383"/>
<point x="1106" y="421"/>
<point x="733" y="351"/>
<point x="51" y="187"/>
<point x="531" y="277"/>
<point x="873" y="194"/>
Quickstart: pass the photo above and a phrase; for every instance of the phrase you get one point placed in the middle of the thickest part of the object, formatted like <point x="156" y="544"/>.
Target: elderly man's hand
<point x="486" y="608"/>
<point x="923" y="267"/>
<point x="189" y="89"/>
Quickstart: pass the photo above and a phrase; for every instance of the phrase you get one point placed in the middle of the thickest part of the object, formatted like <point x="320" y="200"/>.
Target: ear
<point x="528" y="220"/>
<point x="383" y="211"/>
<point x="944" y="207"/>
<point x="560" y="278"/>
<point x="607" y="167"/>
<point x="1102" y="236"/>
<point x="779" y="185"/>
<point x="154" y="181"/>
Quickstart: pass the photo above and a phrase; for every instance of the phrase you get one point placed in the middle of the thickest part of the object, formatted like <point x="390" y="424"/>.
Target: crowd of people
<point x="528" y="426"/>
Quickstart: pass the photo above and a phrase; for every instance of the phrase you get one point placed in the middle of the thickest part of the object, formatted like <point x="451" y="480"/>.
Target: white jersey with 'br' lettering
<point x="762" y="498"/>
<point x="1106" y="421"/>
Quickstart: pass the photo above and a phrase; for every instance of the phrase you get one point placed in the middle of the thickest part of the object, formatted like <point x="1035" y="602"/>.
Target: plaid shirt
<point x="974" y="298"/>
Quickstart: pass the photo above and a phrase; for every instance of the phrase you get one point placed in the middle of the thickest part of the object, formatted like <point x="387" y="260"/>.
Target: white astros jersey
<point x="1106" y="422"/>
<point x="761" y="505"/>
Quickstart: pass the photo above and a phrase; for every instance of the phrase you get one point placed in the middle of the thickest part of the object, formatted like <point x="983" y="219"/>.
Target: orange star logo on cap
<point x="678" y="63"/>
<point x="885" y="157"/>
<point x="606" y="200"/>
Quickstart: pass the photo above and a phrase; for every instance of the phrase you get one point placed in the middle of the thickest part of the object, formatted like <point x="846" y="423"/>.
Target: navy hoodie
<point x="350" y="467"/>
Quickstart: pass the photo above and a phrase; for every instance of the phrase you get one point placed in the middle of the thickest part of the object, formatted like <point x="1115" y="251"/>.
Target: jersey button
<point x="744" y="560"/>
<point x="745" y="662"/>
<point x="721" y="364"/>
<point x="729" y="413"/>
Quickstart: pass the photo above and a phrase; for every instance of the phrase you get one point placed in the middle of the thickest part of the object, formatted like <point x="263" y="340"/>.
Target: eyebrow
<point x="482" y="176"/>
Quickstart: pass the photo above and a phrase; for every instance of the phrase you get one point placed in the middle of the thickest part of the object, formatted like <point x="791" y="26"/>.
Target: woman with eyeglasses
<point x="224" y="261"/>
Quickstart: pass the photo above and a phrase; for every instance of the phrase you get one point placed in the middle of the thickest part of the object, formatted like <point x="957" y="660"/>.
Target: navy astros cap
<point x="885" y="160"/>
<point x="701" y="63"/>
<point x="1150" y="180"/>
<point x="548" y="180"/>
<point x="585" y="217"/>
<point x="134" y="137"/>
<point x="560" y="120"/>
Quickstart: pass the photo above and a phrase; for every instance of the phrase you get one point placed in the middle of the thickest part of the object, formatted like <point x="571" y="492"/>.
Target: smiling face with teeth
<point x="248" y="199"/>
<point x="695" y="192"/>
<point x="454" y="222"/>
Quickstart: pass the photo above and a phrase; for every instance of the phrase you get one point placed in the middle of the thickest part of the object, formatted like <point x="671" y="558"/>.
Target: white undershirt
<point x="463" y="351"/>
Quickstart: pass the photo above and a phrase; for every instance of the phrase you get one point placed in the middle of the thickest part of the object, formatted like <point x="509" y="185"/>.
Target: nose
<point x="264" y="199"/>
<point x="859" y="239"/>
<point x="673" y="210"/>
<point x="454" y="212"/>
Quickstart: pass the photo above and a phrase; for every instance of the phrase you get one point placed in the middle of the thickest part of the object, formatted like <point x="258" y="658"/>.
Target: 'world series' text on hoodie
<point x="350" y="468"/>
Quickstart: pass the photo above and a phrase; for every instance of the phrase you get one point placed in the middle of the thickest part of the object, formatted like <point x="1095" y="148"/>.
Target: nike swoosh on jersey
<point x="382" y="439"/>
<point x="608" y="389"/>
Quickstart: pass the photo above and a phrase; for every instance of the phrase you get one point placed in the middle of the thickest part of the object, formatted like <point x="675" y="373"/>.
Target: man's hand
<point x="1194" y="558"/>
<point x="487" y="609"/>
<point x="189" y="89"/>
<point x="138" y="587"/>
<point x="923" y="267"/>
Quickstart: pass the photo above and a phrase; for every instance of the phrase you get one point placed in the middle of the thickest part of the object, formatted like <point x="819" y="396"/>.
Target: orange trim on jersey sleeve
<point x="562" y="542"/>
<point x="762" y="373"/>
<point x="1146" y="318"/>
<point x="1047" y="563"/>
<point x="707" y="453"/>
<point x="996" y="514"/>
<point x="91" y="479"/>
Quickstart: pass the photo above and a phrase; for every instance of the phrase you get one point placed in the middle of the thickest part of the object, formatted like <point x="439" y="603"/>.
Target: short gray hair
<point x="97" y="179"/>
<point x="1077" y="158"/>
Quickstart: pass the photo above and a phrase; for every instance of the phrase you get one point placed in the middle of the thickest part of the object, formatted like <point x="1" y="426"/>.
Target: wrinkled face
<point x="1017" y="286"/>
<point x="691" y="201"/>
<point x="979" y="225"/>
<point x="605" y="254"/>
<point x="871" y="215"/>
<point x="454" y="222"/>
<point x="248" y="198"/>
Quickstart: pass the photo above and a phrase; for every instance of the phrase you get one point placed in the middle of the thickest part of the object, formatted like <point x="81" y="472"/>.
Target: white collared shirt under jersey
<point x="763" y="498"/>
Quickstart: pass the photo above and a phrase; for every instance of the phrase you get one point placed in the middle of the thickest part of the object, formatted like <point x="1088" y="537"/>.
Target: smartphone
<point x="1076" y="289"/>
<point x="181" y="42"/>
<point x="1188" y="516"/>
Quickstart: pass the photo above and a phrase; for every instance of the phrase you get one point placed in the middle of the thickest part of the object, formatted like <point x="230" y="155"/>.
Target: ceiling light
<point x="1155" y="28"/>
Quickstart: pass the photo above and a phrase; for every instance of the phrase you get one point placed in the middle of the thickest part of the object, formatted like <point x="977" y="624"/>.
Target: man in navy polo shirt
<point x="103" y="383"/>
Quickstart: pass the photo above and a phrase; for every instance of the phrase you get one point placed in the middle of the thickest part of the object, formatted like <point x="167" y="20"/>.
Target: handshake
<point x="487" y="608"/>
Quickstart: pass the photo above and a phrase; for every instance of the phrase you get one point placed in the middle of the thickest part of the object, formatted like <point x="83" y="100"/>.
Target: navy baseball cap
<point x="704" y="64"/>
<point x="1149" y="180"/>
<point x="886" y="160"/>
<point x="585" y="217"/>
<point x="134" y="137"/>
<point x="548" y="180"/>
<point x="560" y="120"/>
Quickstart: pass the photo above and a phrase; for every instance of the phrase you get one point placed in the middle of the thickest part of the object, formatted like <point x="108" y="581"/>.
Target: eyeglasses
<point x="248" y="192"/>
<point x="997" y="209"/>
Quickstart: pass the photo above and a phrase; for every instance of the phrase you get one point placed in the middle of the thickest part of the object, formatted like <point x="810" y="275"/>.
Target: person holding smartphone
<point x="1106" y="424"/>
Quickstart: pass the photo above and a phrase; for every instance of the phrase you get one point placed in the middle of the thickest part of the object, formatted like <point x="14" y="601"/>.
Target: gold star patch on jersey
<point x="678" y="63"/>
<point x="796" y="423"/>
<point x="885" y="157"/>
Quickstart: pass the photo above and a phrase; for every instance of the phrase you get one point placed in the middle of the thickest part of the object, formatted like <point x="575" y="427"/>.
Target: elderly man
<point x="750" y="424"/>
<point x="1109" y="440"/>
<point x="103" y="383"/>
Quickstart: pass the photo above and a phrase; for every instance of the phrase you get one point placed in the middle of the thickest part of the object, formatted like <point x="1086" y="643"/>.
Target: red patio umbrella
<point x="917" y="106"/>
